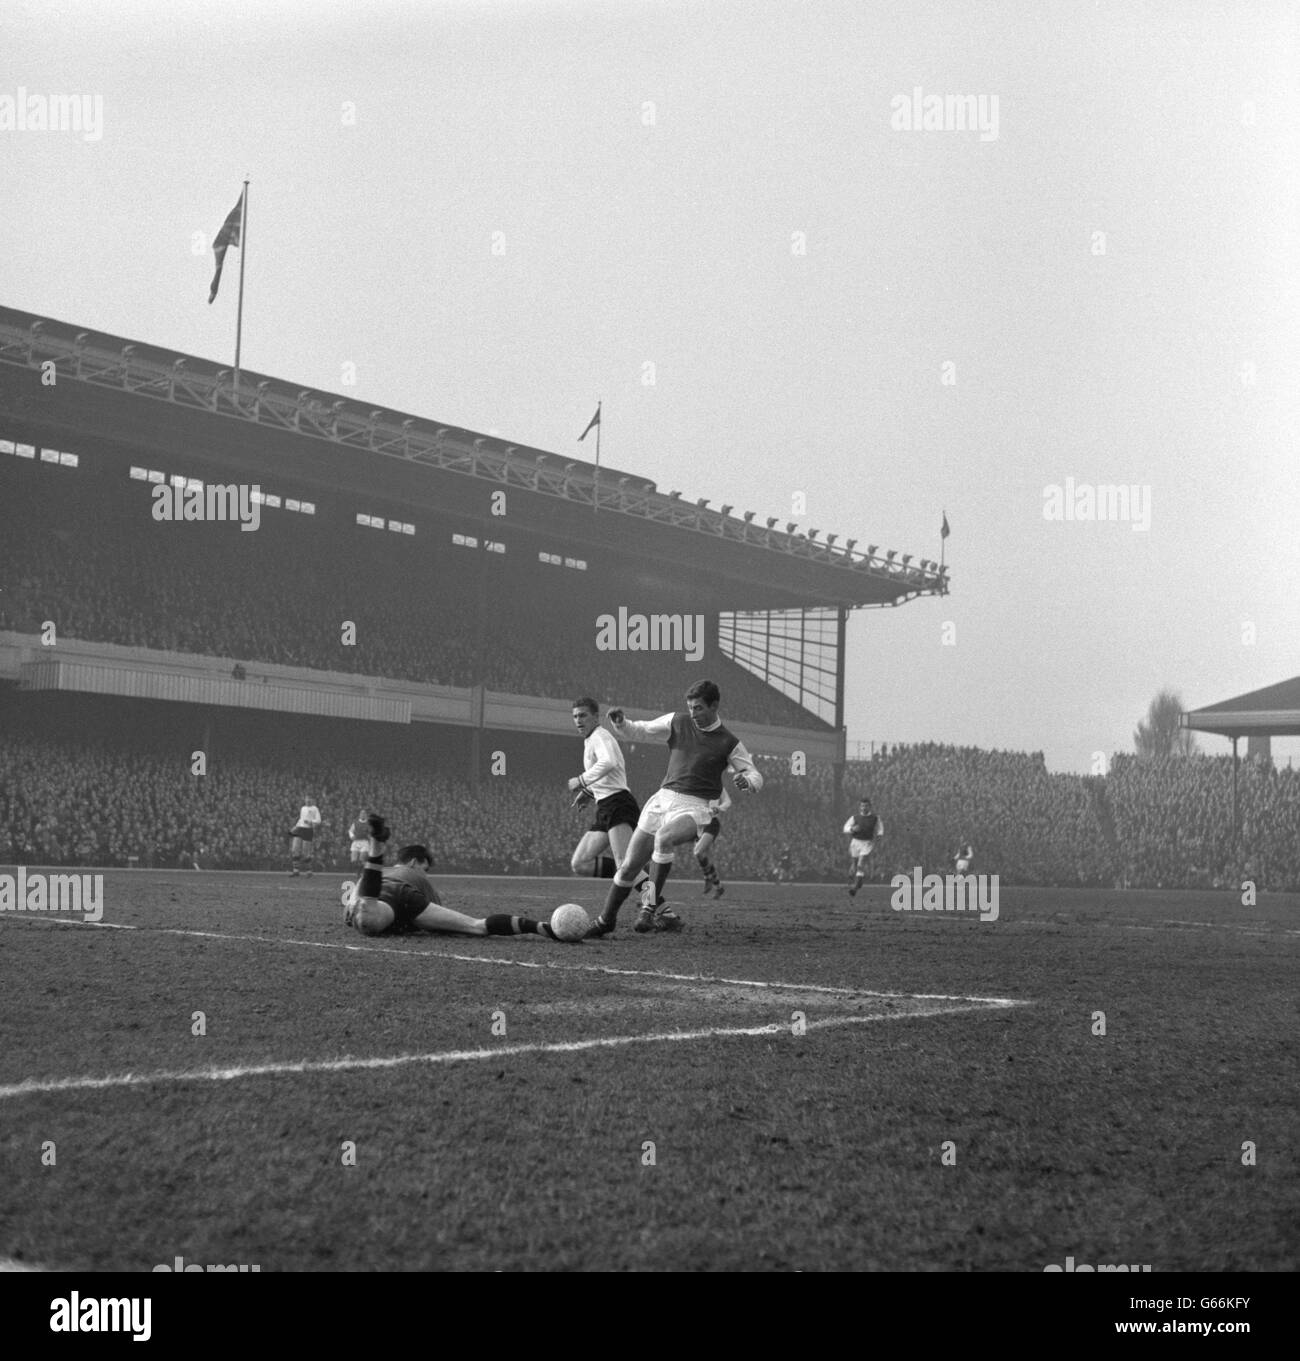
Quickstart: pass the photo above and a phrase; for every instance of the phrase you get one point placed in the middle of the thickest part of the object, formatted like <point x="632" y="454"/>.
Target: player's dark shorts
<point x="303" y="833"/>
<point x="618" y="809"/>
<point x="407" y="904"/>
<point x="711" y="828"/>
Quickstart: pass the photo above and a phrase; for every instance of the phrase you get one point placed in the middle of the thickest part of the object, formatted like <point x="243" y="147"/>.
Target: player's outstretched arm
<point x="640" y="728"/>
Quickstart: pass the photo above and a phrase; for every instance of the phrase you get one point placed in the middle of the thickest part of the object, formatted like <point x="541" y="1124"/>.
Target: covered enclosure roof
<point x="1273" y="711"/>
<point x="142" y="394"/>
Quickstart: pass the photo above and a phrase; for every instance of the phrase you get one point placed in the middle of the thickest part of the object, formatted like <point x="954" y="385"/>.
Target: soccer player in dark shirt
<point x="402" y="898"/>
<point x="864" y="829"/>
<point x="700" y="750"/>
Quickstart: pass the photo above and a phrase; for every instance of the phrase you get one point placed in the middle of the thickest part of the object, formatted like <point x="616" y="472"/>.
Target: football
<point x="569" y="922"/>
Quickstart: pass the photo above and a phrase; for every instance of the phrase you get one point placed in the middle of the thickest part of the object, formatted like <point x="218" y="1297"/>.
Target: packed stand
<point x="1147" y="824"/>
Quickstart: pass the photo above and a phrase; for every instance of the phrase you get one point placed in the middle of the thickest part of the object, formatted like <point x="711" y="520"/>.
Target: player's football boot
<point x="719" y="888"/>
<point x="667" y="920"/>
<point x="379" y="830"/>
<point x="645" y="919"/>
<point x="600" y="927"/>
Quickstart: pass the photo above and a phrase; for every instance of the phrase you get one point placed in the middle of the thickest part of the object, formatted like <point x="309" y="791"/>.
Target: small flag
<point x="591" y="424"/>
<point x="228" y="236"/>
<point x="944" y="532"/>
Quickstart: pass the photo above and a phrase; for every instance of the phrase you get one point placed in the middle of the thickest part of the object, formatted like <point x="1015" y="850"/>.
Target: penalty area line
<point x="553" y="964"/>
<point x="39" y="1087"/>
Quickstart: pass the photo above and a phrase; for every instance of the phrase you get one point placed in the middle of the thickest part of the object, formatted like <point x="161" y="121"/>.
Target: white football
<point x="570" y="922"/>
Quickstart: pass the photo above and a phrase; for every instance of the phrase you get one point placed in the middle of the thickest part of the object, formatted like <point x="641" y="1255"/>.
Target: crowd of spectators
<point x="1145" y="824"/>
<point x="434" y="614"/>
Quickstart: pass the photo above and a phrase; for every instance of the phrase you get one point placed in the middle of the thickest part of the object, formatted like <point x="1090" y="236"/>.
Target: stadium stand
<point x="276" y="597"/>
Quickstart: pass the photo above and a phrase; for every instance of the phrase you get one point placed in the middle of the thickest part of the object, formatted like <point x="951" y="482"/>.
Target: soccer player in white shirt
<point x="303" y="833"/>
<point x="604" y="781"/>
<point x="700" y="750"/>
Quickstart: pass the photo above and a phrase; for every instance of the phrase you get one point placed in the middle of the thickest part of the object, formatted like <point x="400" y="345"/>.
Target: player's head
<point x="702" y="701"/>
<point x="864" y="805"/>
<point x="416" y="855"/>
<point x="586" y="715"/>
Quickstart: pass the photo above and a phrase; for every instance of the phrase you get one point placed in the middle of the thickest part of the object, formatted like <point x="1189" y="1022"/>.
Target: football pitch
<point x="220" y="1071"/>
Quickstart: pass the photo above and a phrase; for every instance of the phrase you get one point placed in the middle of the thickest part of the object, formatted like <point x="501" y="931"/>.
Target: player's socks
<point x="662" y="871"/>
<point x="615" y="899"/>
<point x="502" y="924"/>
<point x="371" y="883"/>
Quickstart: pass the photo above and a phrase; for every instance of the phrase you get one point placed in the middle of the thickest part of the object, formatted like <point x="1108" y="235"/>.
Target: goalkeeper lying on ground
<point x="402" y="898"/>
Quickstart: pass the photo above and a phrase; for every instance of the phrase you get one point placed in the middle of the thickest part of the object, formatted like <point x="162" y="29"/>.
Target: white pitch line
<point x="536" y="964"/>
<point x="36" y="1087"/>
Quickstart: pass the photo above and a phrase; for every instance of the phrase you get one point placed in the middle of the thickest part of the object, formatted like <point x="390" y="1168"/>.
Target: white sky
<point x="1170" y="127"/>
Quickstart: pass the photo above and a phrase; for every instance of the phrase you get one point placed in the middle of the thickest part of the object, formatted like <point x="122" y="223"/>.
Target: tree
<point x="1159" y="734"/>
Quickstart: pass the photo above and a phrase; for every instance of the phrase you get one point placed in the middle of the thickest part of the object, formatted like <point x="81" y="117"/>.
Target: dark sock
<point x="616" y="898"/>
<point x="372" y="879"/>
<point x="707" y="866"/>
<point x="502" y="924"/>
<point x="661" y="878"/>
<point x="608" y="867"/>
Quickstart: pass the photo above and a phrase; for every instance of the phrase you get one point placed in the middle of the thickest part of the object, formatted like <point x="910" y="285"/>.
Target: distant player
<point x="604" y="782"/>
<point x="704" y="846"/>
<point x="785" y="866"/>
<point x="964" y="858"/>
<point x="864" y="829"/>
<point x="402" y="898"/>
<point x="303" y="834"/>
<point x="359" y="835"/>
<point x="700" y="750"/>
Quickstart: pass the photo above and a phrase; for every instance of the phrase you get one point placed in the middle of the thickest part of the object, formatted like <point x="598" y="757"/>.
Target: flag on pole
<point x="591" y="424"/>
<point x="944" y="532"/>
<point x="228" y="236"/>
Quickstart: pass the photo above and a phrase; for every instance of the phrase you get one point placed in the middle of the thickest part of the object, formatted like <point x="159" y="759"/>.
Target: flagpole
<point x="595" y="500"/>
<point x="243" y="255"/>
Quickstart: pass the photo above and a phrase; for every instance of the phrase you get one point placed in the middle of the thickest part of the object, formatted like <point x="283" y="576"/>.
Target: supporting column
<point x="1235" y="827"/>
<point x="841" y="633"/>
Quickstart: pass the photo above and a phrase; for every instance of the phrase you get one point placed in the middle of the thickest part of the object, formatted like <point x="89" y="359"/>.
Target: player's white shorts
<point x="360" y="846"/>
<point x="668" y="805"/>
<point x="857" y="849"/>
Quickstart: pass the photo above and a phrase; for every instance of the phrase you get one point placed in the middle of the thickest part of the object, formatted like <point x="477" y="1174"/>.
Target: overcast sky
<point x="499" y="212"/>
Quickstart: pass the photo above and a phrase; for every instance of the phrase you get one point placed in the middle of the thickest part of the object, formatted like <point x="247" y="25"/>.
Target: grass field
<point x="650" y="1104"/>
